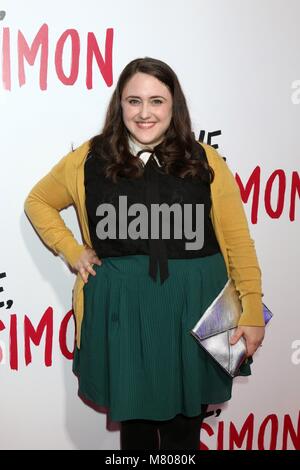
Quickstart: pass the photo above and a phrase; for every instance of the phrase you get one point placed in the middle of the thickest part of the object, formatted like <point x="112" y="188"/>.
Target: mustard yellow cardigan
<point x="64" y="185"/>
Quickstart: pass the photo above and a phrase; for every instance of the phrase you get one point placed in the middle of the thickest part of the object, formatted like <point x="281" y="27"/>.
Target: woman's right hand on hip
<point x="84" y="264"/>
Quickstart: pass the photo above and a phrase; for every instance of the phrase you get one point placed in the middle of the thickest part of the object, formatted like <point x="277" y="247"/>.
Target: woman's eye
<point x="155" y="102"/>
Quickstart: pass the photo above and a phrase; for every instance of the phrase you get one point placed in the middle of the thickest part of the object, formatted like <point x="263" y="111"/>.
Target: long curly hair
<point x="178" y="153"/>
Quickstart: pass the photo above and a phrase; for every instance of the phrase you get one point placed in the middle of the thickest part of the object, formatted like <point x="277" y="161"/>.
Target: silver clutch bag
<point x="218" y="324"/>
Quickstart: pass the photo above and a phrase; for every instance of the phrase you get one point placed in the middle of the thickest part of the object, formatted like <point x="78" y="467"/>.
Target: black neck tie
<point x="157" y="248"/>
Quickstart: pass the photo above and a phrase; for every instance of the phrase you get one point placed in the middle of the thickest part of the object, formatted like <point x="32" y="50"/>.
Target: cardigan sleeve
<point x="42" y="206"/>
<point x="243" y="263"/>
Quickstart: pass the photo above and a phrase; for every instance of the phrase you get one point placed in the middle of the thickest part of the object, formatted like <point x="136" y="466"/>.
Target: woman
<point x="134" y="351"/>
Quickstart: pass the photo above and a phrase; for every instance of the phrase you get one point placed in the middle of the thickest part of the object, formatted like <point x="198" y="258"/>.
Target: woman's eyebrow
<point x="151" y="97"/>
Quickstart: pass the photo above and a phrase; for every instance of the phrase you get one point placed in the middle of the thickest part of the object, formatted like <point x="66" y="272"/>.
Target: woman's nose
<point x="145" y="111"/>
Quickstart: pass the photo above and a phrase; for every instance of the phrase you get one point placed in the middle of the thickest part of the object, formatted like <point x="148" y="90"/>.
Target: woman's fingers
<point x="84" y="274"/>
<point x="95" y="258"/>
<point x="85" y="263"/>
<point x="253" y="335"/>
<point x="90" y="269"/>
<point x="252" y="348"/>
<point x="97" y="261"/>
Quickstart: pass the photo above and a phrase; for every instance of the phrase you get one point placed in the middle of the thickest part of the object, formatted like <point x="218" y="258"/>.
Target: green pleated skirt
<point x="138" y="358"/>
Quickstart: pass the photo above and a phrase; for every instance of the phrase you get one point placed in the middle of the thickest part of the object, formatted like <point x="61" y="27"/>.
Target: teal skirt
<point x="138" y="358"/>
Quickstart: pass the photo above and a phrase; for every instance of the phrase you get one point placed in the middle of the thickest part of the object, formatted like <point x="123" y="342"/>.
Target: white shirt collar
<point x="135" y="148"/>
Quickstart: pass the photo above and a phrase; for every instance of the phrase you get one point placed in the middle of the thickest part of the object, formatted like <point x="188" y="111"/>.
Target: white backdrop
<point x="239" y="65"/>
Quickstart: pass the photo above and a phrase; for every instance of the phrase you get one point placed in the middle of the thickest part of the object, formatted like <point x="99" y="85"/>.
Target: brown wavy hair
<point x="178" y="153"/>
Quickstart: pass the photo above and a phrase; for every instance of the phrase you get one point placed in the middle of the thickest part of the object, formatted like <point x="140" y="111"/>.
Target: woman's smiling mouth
<point x="145" y="125"/>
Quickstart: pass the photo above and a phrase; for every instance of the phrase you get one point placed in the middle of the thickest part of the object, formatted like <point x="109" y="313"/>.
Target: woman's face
<point x="147" y="109"/>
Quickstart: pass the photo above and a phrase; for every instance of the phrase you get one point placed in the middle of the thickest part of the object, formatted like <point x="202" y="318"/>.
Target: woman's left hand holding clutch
<point x="253" y="336"/>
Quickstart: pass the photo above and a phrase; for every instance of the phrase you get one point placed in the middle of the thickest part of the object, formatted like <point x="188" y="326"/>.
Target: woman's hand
<point x="253" y="335"/>
<point x="84" y="264"/>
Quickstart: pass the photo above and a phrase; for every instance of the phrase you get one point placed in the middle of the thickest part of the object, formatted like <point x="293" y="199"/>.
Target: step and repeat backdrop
<point x="239" y="66"/>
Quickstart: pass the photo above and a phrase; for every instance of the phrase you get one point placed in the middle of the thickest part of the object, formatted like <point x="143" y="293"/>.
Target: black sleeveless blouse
<point x="155" y="187"/>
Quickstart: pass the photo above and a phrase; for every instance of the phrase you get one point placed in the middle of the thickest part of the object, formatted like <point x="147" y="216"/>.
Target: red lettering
<point x="275" y="214"/>
<point x="295" y="188"/>
<point x="252" y="183"/>
<point x="2" y="327"/>
<point x="206" y="427"/>
<point x="6" y="70"/>
<point x="105" y="66"/>
<point x="238" y="438"/>
<point x="40" y="44"/>
<point x="75" y="53"/>
<point x="274" y="432"/>
<point x="46" y="323"/>
<point x="34" y="335"/>
<point x="41" y="40"/>
<point x="13" y="339"/>
<point x="253" y="186"/>
<point x="63" y="336"/>
<point x="220" y="437"/>
<point x="289" y="430"/>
